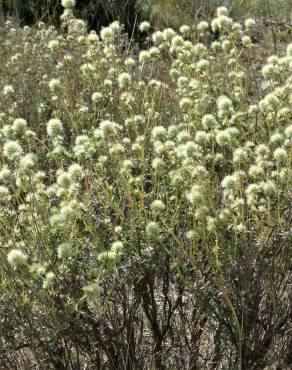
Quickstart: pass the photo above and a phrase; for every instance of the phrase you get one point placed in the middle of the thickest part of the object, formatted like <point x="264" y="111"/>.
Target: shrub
<point x="97" y="13"/>
<point x="145" y="199"/>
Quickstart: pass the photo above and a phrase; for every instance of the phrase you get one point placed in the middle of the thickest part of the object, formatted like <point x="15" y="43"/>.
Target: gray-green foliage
<point x="145" y="198"/>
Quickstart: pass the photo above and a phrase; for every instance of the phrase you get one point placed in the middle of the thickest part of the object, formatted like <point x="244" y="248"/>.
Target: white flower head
<point x="54" y="84"/>
<point x="144" y="56"/>
<point x="168" y="34"/>
<point x="76" y="171"/>
<point x="92" y="289"/>
<point x="269" y="71"/>
<point x="28" y="161"/>
<point x="209" y="121"/>
<point x="289" y="50"/>
<point x="107" y="34"/>
<point x="8" y="90"/>
<point x="203" y="26"/>
<point x="280" y="154"/>
<point x="158" y="37"/>
<point x="4" y="194"/>
<point x="93" y="37"/>
<point x="250" y="24"/>
<point x="288" y="132"/>
<point x="158" y="163"/>
<point x="68" y="3"/>
<point x="222" y="10"/>
<point x="49" y="279"/>
<point x="157" y="206"/>
<point x="152" y="229"/>
<point x="230" y="181"/>
<point x="185" y="29"/>
<point x="96" y="97"/>
<point x="177" y="41"/>
<point x="224" y="104"/>
<point x="19" y="125"/>
<point x="54" y="127"/>
<point x="117" y="247"/>
<point x="53" y="44"/>
<point x="130" y="62"/>
<point x="196" y="194"/>
<point x="64" y="250"/>
<point x="67" y="14"/>
<point x="64" y="180"/>
<point x="144" y="26"/>
<point x="158" y="133"/>
<point x="108" y="128"/>
<point x="12" y="150"/>
<point x="17" y="258"/>
<point x="124" y="79"/>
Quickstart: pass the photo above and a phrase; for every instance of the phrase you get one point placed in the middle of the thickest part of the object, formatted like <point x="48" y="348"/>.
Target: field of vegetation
<point x="145" y="192"/>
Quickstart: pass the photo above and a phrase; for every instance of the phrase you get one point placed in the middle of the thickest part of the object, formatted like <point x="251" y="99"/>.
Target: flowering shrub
<point x="145" y="198"/>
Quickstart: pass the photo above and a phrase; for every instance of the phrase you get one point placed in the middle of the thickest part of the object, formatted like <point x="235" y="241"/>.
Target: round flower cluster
<point x="144" y="26"/>
<point x="54" y="127"/>
<point x="17" y="258"/>
<point x="68" y="3"/>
